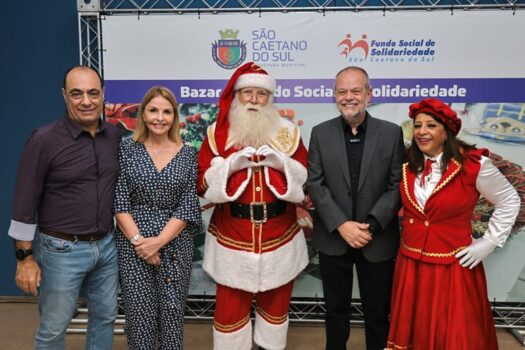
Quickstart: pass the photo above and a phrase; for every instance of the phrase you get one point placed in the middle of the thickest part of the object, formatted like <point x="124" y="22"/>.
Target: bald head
<point x="84" y="68"/>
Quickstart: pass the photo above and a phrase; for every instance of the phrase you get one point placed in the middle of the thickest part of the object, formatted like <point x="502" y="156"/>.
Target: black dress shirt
<point x="354" y="152"/>
<point x="66" y="180"/>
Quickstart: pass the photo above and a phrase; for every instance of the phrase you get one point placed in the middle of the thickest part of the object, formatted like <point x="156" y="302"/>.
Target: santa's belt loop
<point x="257" y="212"/>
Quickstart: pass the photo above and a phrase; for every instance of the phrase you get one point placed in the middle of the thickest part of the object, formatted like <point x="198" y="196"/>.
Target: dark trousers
<point x="375" y="286"/>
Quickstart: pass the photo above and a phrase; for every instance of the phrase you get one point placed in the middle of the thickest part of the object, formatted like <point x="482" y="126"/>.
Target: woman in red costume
<point x="439" y="298"/>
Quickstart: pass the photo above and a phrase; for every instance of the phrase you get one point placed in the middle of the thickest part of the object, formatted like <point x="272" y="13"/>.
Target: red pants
<point x="232" y="326"/>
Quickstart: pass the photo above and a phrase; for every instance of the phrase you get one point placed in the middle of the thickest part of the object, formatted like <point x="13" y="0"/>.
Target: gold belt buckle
<point x="265" y="212"/>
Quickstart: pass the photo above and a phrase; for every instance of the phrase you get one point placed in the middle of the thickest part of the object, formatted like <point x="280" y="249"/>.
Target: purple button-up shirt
<point x="66" y="180"/>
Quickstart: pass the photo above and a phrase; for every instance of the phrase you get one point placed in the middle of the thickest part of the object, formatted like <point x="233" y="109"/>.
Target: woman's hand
<point x="472" y="255"/>
<point x="154" y="260"/>
<point x="148" y="247"/>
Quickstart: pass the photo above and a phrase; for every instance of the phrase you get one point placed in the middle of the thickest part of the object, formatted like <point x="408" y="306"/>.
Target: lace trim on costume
<point x="433" y="255"/>
<point x="270" y="318"/>
<point x="249" y="246"/>
<point x="231" y="328"/>
<point x="436" y="189"/>
<point x="449" y="178"/>
<point x="407" y="192"/>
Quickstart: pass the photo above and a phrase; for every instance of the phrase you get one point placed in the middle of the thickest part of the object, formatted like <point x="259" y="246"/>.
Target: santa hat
<point x="439" y="110"/>
<point x="247" y="75"/>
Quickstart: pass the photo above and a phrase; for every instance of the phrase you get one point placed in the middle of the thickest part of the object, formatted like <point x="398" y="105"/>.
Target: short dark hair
<point x="82" y="67"/>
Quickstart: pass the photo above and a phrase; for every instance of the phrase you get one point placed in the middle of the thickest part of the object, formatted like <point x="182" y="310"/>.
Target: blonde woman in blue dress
<point x="157" y="210"/>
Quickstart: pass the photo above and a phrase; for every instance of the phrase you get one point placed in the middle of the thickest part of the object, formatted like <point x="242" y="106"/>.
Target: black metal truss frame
<point x="312" y="310"/>
<point x="90" y="40"/>
<point x="159" y="6"/>
<point x="92" y="12"/>
<point x="506" y="315"/>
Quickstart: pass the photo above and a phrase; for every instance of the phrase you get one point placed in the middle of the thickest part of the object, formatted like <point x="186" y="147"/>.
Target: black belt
<point x="257" y="212"/>
<point x="89" y="237"/>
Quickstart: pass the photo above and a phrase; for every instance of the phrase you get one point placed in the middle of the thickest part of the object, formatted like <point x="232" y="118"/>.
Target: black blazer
<point x="378" y="193"/>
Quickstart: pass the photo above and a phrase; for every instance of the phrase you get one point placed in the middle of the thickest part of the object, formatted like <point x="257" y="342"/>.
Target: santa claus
<point x="252" y="165"/>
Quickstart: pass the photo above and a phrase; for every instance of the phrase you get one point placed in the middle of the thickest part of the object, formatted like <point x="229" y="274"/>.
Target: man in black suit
<point x="354" y="170"/>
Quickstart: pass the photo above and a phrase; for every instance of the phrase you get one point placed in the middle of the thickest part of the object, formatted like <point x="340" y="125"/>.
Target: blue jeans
<point x="67" y="267"/>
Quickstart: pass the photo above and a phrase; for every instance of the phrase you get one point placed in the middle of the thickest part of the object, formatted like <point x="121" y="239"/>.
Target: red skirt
<point x="440" y="307"/>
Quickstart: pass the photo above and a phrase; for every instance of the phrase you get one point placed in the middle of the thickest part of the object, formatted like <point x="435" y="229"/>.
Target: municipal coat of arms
<point x="228" y="52"/>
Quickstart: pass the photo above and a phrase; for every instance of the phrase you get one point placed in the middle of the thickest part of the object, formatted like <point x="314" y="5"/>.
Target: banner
<point x="473" y="60"/>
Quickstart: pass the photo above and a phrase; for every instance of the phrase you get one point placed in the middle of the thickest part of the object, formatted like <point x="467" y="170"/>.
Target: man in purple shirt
<point x="64" y="191"/>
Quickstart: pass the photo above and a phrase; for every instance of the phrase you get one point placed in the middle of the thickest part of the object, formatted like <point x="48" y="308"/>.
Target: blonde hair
<point x="141" y="131"/>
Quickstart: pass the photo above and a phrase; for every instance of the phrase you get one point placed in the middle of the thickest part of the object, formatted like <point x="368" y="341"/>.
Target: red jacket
<point x="442" y="228"/>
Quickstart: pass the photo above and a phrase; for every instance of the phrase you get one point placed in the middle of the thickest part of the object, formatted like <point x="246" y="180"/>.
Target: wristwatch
<point x="135" y="238"/>
<point x="21" y="254"/>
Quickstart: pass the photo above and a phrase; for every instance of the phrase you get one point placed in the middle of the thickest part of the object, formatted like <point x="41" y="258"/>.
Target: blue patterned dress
<point x="155" y="297"/>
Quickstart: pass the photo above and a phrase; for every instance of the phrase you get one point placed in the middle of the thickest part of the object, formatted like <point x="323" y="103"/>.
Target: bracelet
<point x="135" y="238"/>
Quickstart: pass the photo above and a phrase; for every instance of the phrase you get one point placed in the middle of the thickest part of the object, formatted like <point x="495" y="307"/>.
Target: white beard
<point x="252" y="125"/>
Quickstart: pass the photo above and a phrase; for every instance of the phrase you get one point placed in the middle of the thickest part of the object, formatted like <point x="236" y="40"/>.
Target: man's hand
<point x="241" y="160"/>
<point x="355" y="234"/>
<point x="478" y="250"/>
<point x="27" y="275"/>
<point x="273" y="158"/>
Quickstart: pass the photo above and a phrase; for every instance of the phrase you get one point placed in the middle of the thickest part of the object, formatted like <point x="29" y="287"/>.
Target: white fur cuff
<point x="217" y="179"/>
<point x="270" y="336"/>
<point x="296" y="175"/>
<point x="238" y="340"/>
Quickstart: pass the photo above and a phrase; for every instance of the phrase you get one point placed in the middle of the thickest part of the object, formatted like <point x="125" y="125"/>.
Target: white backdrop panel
<point x="474" y="60"/>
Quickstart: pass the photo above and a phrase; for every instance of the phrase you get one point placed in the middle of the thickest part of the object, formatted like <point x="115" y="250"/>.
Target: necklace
<point x="156" y="152"/>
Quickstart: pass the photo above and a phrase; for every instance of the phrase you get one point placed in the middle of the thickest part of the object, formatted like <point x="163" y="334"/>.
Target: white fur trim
<point x="253" y="272"/>
<point x="238" y="340"/>
<point x="217" y="179"/>
<point x="296" y="175"/>
<point x="259" y="80"/>
<point x="270" y="336"/>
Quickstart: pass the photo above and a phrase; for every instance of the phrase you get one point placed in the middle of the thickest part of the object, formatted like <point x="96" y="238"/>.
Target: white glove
<point x="241" y="160"/>
<point x="478" y="250"/>
<point x="272" y="158"/>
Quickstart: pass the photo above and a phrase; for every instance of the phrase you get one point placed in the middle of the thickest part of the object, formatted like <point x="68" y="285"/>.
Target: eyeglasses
<point x="248" y="94"/>
<point x="93" y="94"/>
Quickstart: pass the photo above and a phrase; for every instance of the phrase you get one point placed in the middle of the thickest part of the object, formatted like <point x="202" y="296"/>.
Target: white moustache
<point x="252" y="107"/>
